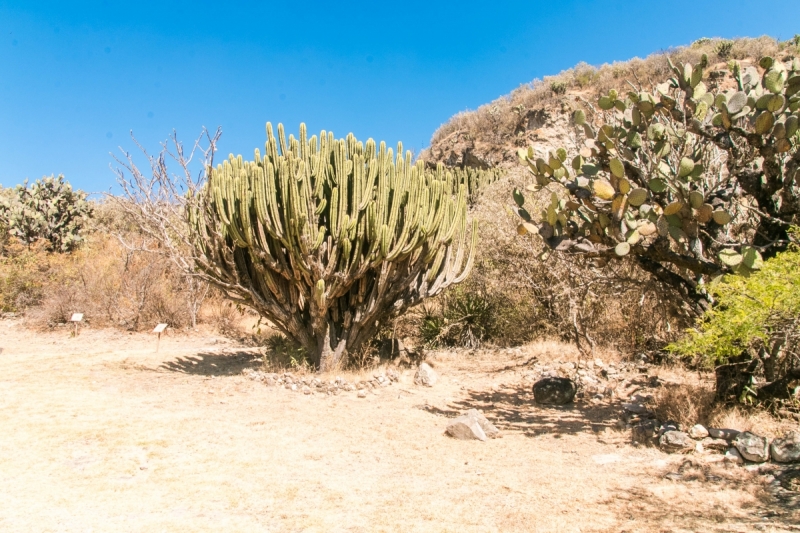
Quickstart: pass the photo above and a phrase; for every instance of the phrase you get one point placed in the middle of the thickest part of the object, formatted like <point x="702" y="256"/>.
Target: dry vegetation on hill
<point x="491" y="134"/>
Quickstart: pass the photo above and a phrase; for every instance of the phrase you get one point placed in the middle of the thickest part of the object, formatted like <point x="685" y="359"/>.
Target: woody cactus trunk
<point x="327" y="238"/>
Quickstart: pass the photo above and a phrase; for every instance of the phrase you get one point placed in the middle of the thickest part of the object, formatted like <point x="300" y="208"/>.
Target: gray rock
<point x="636" y="408"/>
<point x="733" y="456"/>
<point x="466" y="427"/>
<point x="306" y="389"/>
<point x="718" y="433"/>
<point x="676" y="442"/>
<point x="644" y="432"/>
<point x="752" y="447"/>
<point x="487" y="427"/>
<point x="554" y="391"/>
<point x="698" y="431"/>
<point x="719" y="445"/>
<point x="362" y="393"/>
<point x="787" y="449"/>
<point x="425" y="375"/>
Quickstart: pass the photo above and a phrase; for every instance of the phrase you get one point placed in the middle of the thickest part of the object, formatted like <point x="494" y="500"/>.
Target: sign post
<point x="76" y="319"/>
<point x="159" y="329"/>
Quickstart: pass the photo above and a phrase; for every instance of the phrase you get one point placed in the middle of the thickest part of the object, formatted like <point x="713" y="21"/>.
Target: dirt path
<point x="99" y="433"/>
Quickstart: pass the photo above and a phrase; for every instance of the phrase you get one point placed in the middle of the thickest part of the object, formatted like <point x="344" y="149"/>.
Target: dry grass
<point x="104" y="434"/>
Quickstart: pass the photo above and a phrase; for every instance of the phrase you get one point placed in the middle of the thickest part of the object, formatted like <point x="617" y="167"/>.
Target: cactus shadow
<point x="213" y="364"/>
<point x="514" y="409"/>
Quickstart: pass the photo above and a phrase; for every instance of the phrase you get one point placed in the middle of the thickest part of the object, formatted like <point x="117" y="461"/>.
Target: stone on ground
<point x="733" y="456"/>
<point x="425" y="375"/>
<point x="698" y="431"/>
<point x="466" y="427"/>
<point x="719" y="433"/>
<point x="676" y="442"/>
<point x="752" y="447"/>
<point x="719" y="445"/>
<point x="554" y="391"/>
<point x="787" y="449"/>
<point x="487" y="427"/>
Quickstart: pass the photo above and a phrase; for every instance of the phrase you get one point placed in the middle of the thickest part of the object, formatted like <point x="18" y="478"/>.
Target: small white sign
<point x="160" y="328"/>
<point x="77" y="317"/>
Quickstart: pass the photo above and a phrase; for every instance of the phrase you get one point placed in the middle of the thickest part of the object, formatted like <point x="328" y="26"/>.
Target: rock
<point x="306" y="389"/>
<point x="752" y="447"/>
<point x="362" y="393"/>
<point x="676" y="442"/>
<point x="466" y="427"/>
<point x="669" y="425"/>
<point x="733" y="456"/>
<point x="392" y="375"/>
<point x="727" y="434"/>
<point x="635" y="408"/>
<point x="425" y="375"/>
<point x="644" y="432"/>
<point x="487" y="427"/>
<point x="554" y="391"/>
<point x="698" y="431"/>
<point x="787" y="449"/>
<point x="719" y="445"/>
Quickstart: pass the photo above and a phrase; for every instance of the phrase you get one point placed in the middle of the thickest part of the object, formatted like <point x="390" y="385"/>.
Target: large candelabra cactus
<point x="327" y="238"/>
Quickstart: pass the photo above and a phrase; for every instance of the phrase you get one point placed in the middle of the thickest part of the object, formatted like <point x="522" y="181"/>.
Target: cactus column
<point x="327" y="238"/>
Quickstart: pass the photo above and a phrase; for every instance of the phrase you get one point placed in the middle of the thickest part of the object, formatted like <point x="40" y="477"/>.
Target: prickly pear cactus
<point x="48" y="209"/>
<point x="690" y="180"/>
<point x="327" y="238"/>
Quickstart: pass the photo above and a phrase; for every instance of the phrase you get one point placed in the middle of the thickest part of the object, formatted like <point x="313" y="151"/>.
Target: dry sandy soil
<point x="100" y="433"/>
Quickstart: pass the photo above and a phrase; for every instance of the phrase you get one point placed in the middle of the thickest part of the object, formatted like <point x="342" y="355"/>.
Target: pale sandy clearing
<point x="98" y="433"/>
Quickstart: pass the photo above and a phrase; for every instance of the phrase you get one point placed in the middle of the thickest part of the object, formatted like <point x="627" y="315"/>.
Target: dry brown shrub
<point x="685" y="403"/>
<point x="611" y="306"/>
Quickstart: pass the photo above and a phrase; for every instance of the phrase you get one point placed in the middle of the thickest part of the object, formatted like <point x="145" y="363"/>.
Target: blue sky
<point x="77" y="77"/>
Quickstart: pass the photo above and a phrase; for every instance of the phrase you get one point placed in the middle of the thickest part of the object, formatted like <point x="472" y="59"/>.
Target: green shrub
<point x="49" y="210"/>
<point x="759" y="313"/>
<point x="464" y="318"/>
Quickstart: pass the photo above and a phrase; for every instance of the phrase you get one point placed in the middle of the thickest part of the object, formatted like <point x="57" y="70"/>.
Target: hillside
<point x="537" y="113"/>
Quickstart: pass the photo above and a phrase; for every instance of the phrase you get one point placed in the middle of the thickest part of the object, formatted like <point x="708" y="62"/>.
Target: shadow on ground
<point x="674" y="501"/>
<point x="514" y="409"/>
<point x="214" y="364"/>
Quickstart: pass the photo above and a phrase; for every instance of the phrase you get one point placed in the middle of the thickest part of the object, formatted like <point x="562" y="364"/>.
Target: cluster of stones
<point x="594" y="381"/>
<point x="314" y="385"/>
<point x="737" y="446"/>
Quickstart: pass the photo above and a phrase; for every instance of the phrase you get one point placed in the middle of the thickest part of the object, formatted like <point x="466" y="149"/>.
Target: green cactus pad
<point x="622" y="249"/>
<point x="730" y="258"/>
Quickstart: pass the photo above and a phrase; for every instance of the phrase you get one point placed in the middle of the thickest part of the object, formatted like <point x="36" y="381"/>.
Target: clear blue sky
<point x="76" y="77"/>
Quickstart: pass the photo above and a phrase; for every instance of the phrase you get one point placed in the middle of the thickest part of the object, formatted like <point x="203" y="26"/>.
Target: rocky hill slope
<point x="538" y="113"/>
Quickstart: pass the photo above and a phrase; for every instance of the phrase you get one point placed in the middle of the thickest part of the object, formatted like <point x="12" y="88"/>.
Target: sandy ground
<point x="100" y="433"/>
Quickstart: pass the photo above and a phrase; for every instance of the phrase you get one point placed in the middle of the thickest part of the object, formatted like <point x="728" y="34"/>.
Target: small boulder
<point x="733" y="456"/>
<point x="465" y="427"/>
<point x="718" y="433"/>
<point x="752" y="447"/>
<point x="554" y="391"/>
<point x="787" y="449"/>
<point x="676" y="442"/>
<point x="644" y="432"/>
<point x="362" y="393"/>
<point x="719" y="445"/>
<point x="425" y="375"/>
<point x="697" y="431"/>
<point x="635" y="408"/>
<point x="487" y="427"/>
